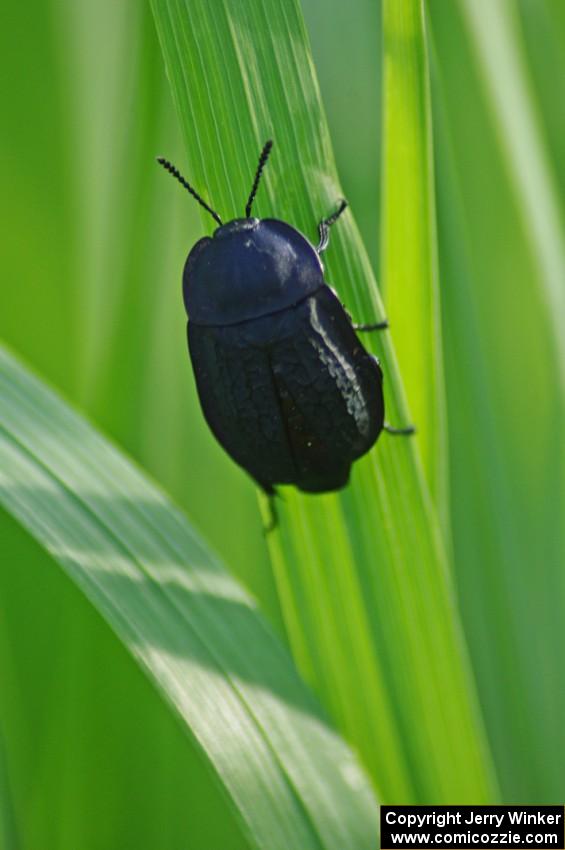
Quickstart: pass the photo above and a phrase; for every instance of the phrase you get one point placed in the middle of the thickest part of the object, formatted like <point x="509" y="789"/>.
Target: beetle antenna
<point x="261" y="165"/>
<point x="176" y="173"/>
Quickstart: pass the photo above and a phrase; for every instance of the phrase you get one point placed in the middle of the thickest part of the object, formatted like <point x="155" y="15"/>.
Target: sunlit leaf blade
<point x="409" y="250"/>
<point x="363" y="579"/>
<point x="187" y="623"/>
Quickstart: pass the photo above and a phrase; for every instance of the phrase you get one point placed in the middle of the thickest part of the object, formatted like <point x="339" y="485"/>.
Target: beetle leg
<point x="375" y="326"/>
<point x="271" y="495"/>
<point x="399" y="432"/>
<point x="274" y="516"/>
<point x="326" y="223"/>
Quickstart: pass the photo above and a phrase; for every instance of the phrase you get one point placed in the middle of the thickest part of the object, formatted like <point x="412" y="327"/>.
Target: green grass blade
<point x="506" y="412"/>
<point x="500" y="59"/>
<point x="192" y="629"/>
<point x="8" y="830"/>
<point x="363" y="579"/>
<point x="409" y="269"/>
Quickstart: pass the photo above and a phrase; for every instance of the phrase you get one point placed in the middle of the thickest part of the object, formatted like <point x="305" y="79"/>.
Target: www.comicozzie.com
<point x="472" y="826"/>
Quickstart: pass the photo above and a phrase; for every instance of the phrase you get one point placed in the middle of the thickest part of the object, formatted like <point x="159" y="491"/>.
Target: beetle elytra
<point x="284" y="381"/>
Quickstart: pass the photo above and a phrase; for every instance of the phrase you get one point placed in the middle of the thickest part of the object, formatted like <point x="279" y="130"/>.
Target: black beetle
<point x="284" y="382"/>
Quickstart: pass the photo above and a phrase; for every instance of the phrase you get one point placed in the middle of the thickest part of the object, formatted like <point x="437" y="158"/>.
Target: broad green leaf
<point x="409" y="249"/>
<point x="190" y="627"/>
<point x="362" y="577"/>
<point x="95" y="758"/>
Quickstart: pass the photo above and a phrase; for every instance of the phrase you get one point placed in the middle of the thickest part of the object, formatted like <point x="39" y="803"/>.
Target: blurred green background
<point x="94" y="240"/>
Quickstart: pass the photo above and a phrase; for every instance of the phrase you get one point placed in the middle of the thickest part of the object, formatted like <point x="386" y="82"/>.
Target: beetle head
<point x="250" y="267"/>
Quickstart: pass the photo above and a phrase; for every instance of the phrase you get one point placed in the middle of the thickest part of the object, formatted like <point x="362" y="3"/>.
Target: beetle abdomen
<point x="293" y="397"/>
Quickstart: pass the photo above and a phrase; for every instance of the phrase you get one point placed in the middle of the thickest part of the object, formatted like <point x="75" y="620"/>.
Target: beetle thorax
<point x="249" y="268"/>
